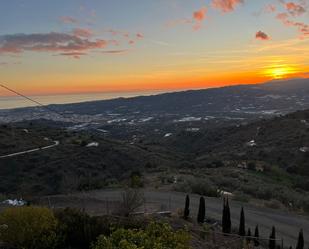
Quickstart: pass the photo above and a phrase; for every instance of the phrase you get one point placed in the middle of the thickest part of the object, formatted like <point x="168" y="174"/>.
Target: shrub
<point x="29" y="228"/>
<point x="78" y="229"/>
<point x="156" y="235"/>
<point x="202" y="187"/>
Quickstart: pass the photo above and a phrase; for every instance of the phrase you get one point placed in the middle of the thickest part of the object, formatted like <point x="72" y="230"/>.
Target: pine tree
<point x="272" y="239"/>
<point x="256" y="235"/>
<point x="300" y="242"/>
<point x="242" y="228"/>
<point x="201" y="211"/>
<point x="187" y="208"/>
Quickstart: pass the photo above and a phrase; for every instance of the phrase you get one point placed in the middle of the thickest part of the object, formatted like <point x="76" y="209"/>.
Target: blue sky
<point x="150" y="44"/>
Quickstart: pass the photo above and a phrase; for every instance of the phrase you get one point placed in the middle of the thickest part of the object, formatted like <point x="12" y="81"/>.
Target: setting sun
<point x="280" y="71"/>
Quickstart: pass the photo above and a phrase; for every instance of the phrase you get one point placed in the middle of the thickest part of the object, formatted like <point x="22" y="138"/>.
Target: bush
<point x="202" y="187"/>
<point x="156" y="235"/>
<point x="78" y="229"/>
<point x="29" y="228"/>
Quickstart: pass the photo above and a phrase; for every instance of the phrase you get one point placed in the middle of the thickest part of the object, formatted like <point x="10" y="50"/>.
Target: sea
<point x="11" y="102"/>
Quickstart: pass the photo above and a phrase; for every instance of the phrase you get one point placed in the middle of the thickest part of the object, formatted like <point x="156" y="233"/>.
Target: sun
<point x="279" y="71"/>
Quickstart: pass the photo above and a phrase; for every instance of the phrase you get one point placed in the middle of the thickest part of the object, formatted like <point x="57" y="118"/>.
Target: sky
<point x="79" y="46"/>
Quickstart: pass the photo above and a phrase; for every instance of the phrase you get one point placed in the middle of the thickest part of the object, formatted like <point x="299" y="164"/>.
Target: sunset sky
<point x="75" y="46"/>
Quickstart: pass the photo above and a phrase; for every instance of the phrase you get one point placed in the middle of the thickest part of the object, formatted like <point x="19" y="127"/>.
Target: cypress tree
<point x="201" y="211"/>
<point x="242" y="228"/>
<point x="187" y="208"/>
<point x="228" y="217"/>
<point x="300" y="242"/>
<point x="224" y="216"/>
<point x="249" y="235"/>
<point x="256" y="235"/>
<point x="272" y="239"/>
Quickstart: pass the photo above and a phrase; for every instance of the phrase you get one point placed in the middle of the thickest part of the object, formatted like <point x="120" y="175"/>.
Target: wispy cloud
<point x="195" y="20"/>
<point x="131" y="38"/>
<point x="75" y="55"/>
<point x="76" y="43"/>
<point x="294" y="9"/>
<point x="302" y="27"/>
<point x="48" y="42"/>
<point x="82" y="32"/>
<point x="270" y="8"/>
<point x="68" y="19"/>
<point x="123" y="51"/>
<point x="226" y="5"/>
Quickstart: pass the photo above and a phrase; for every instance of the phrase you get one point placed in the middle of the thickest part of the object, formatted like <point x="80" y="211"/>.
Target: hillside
<point x="81" y="161"/>
<point x="281" y="141"/>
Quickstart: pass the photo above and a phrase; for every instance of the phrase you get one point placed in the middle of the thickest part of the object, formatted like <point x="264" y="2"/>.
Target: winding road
<point x="287" y="224"/>
<point x="56" y="143"/>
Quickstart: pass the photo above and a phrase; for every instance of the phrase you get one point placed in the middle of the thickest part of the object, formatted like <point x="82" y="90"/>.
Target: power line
<point x="32" y="100"/>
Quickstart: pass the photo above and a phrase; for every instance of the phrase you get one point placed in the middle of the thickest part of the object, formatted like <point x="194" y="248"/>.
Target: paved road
<point x="56" y="143"/>
<point x="287" y="224"/>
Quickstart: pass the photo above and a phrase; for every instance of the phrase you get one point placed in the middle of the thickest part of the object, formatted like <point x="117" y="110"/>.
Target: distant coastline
<point x="12" y="102"/>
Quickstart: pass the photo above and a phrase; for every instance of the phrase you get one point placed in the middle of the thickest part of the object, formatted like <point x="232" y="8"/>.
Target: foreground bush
<point x="78" y="229"/>
<point x="155" y="236"/>
<point x="29" y="228"/>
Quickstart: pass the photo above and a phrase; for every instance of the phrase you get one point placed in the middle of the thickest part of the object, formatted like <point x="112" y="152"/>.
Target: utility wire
<point x="32" y="100"/>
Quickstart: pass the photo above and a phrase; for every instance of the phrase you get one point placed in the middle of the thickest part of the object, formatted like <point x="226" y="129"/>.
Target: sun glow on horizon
<point x="280" y="71"/>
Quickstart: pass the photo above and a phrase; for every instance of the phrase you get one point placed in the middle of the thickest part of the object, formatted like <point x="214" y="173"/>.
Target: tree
<point x="132" y="199"/>
<point x="187" y="208"/>
<point x="201" y="211"/>
<point x="249" y="235"/>
<point x="156" y="235"/>
<point x="256" y="235"/>
<point x="29" y="228"/>
<point x="226" y="217"/>
<point x="272" y="239"/>
<point x="242" y="228"/>
<point x="300" y="242"/>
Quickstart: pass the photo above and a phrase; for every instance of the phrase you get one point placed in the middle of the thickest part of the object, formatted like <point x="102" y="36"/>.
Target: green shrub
<point x="29" y="228"/>
<point x="155" y="236"/>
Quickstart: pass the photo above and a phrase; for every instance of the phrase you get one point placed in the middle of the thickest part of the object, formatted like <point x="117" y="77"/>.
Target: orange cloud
<point x="302" y="27"/>
<point x="200" y="15"/>
<point x="260" y="35"/>
<point x="294" y="9"/>
<point x="226" y="5"/>
<point x="80" y="32"/>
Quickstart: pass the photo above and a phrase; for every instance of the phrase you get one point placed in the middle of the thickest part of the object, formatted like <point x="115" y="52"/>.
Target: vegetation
<point x="300" y="241"/>
<point x="272" y="170"/>
<point x="256" y="235"/>
<point x="201" y="211"/>
<point x="30" y="228"/>
<point x="226" y="217"/>
<point x="272" y="239"/>
<point x="242" y="228"/>
<point x="187" y="208"/>
<point x="155" y="236"/>
<point x="132" y="199"/>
